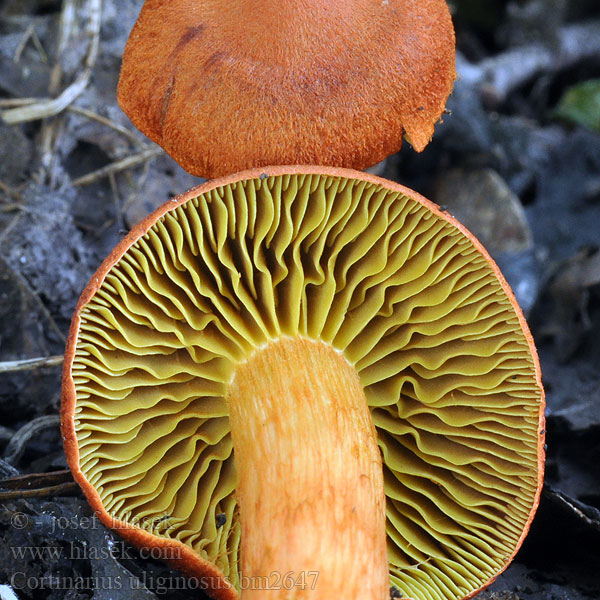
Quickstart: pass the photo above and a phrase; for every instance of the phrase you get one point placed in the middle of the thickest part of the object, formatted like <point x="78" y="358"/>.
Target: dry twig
<point x="60" y="489"/>
<point x="37" y="485"/>
<point x="50" y="107"/>
<point x="30" y="34"/>
<point x="29" y="364"/>
<point x="15" y="448"/>
<point x="120" y="165"/>
<point x="90" y="114"/>
<point x="12" y="102"/>
<point x="23" y="43"/>
<point x="68" y="17"/>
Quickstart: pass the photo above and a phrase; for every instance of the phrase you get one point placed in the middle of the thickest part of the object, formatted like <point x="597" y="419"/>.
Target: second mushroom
<point x="307" y="382"/>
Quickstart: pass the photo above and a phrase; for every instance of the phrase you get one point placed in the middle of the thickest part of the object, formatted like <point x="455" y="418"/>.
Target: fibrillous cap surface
<point x="226" y="86"/>
<point x="412" y="301"/>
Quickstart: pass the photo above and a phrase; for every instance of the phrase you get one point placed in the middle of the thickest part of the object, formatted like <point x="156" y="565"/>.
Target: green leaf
<point x="580" y="105"/>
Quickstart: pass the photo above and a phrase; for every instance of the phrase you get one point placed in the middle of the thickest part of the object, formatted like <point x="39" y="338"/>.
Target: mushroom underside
<point x="407" y="297"/>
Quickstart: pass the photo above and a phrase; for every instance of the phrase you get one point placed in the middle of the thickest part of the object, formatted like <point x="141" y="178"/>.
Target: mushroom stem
<point x="310" y="490"/>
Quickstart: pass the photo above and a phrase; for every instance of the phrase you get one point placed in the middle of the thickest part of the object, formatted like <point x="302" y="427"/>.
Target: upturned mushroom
<point x="309" y="381"/>
<point x="224" y="86"/>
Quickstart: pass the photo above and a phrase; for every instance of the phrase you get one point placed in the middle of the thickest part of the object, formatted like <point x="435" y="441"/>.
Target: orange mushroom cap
<point x="225" y="86"/>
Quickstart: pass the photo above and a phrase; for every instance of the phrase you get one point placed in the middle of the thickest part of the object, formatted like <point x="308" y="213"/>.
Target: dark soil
<point x="527" y="183"/>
